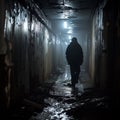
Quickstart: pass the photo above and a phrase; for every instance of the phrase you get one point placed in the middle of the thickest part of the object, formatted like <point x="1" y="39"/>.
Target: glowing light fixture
<point x="69" y="31"/>
<point x="25" y="25"/>
<point x="69" y="27"/>
<point x="69" y="36"/>
<point x="32" y="26"/>
<point x="65" y="24"/>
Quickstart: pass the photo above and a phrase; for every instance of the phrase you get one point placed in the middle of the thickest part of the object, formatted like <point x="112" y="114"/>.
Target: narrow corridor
<point x="35" y="82"/>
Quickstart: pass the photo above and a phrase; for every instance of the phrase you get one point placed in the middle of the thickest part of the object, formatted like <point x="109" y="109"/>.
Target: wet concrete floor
<point x="56" y="100"/>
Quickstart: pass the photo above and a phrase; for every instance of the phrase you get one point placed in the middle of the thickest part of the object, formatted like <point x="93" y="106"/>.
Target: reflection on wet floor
<point x="56" y="100"/>
<point x="64" y="103"/>
<point x="62" y="86"/>
<point x="62" y="99"/>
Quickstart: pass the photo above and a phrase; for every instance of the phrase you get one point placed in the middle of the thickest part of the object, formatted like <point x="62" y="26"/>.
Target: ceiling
<point x="77" y="13"/>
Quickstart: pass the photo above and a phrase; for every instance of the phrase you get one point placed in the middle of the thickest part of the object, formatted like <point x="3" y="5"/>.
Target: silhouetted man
<point x="74" y="56"/>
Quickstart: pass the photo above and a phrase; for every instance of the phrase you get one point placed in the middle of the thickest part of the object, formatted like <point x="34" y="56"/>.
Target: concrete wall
<point x="28" y="49"/>
<point x="98" y="55"/>
<point x="105" y="47"/>
<point x="92" y="55"/>
<point x="112" y="44"/>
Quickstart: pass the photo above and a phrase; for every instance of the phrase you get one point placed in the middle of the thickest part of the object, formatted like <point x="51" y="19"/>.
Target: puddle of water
<point x="56" y="111"/>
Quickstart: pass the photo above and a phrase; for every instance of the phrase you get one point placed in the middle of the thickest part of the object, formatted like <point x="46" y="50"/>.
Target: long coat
<point x="74" y="54"/>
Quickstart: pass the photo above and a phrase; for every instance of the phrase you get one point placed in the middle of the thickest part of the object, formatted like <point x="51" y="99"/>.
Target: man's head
<point x="74" y="39"/>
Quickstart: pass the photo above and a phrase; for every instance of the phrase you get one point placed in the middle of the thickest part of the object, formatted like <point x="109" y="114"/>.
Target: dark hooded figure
<point x="74" y="56"/>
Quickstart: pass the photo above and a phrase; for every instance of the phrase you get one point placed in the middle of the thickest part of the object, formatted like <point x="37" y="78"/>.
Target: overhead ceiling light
<point x="25" y="25"/>
<point x="69" y="31"/>
<point x="69" y="36"/>
<point x="65" y="24"/>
